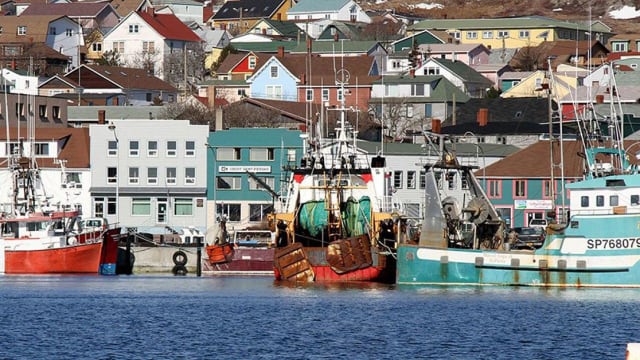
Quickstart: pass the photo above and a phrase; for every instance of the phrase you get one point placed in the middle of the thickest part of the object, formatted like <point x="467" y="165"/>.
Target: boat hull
<point x="419" y="265"/>
<point x="83" y="258"/>
<point x="245" y="261"/>
<point x="310" y="264"/>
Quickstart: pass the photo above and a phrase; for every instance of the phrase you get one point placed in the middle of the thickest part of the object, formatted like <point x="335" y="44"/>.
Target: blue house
<point x="249" y="166"/>
<point x="274" y="81"/>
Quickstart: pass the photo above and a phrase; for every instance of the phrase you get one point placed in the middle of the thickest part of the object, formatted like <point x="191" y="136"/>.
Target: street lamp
<point x="479" y="151"/>
<point x="112" y="127"/>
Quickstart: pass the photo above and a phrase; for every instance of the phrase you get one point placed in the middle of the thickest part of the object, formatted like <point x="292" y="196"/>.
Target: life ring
<point x="180" y="258"/>
<point x="72" y="240"/>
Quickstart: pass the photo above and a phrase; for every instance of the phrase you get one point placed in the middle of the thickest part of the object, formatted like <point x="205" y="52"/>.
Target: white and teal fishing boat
<point x="464" y="243"/>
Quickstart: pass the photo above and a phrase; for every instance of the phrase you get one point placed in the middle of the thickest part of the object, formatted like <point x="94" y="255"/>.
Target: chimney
<point x="489" y="47"/>
<point x="412" y="73"/>
<point x="435" y="126"/>
<point x="303" y="78"/>
<point x="599" y="99"/>
<point x="211" y="95"/>
<point x="280" y="51"/>
<point x="336" y="37"/>
<point x="101" y="117"/>
<point x="483" y="116"/>
<point x="151" y="11"/>
<point x="218" y="123"/>
<point x="279" y="17"/>
<point x="223" y="26"/>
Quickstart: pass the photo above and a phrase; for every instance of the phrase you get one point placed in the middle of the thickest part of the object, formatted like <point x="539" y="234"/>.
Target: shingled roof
<point x="320" y="70"/>
<point x="169" y="26"/>
<point x="76" y="9"/>
<point x="251" y="9"/>
<point x="74" y="145"/>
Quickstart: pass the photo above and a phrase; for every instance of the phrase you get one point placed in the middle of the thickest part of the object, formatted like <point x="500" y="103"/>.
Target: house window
<point x="98" y="207"/>
<point x="339" y="95"/>
<point x="546" y="189"/>
<point x="133" y="28"/>
<point x="118" y="46"/>
<point x="141" y="206"/>
<point x="231" y="210"/>
<point x="112" y="206"/>
<point x="411" y="179"/>
<point x="19" y="109"/>
<point x="22" y="30"/>
<point x="268" y="180"/>
<point x="274" y="91"/>
<point x="171" y="176"/>
<point x="183" y="207"/>
<point x="96" y="47"/>
<point x="112" y="175"/>
<point x="309" y="95"/>
<point x="52" y="30"/>
<point x="423" y="179"/>
<point x="325" y="95"/>
<point x="189" y="176"/>
<point x="112" y="148"/>
<point x="148" y="97"/>
<point x="494" y="189"/>
<point x="261" y="154"/>
<point x="228" y="183"/>
<point x="42" y="111"/>
<point x="69" y="32"/>
<point x="456" y="35"/>
<point x="409" y="110"/>
<point x="432" y="71"/>
<point x="148" y="47"/>
<point x="487" y="34"/>
<point x="134" y="148"/>
<point x="523" y="34"/>
<point x="417" y="90"/>
<point x="472" y="35"/>
<point x="519" y="188"/>
<point x="190" y="148"/>
<point x="259" y="212"/>
<point x="397" y="179"/>
<point x="134" y="175"/>
<point x="152" y="148"/>
<point x="274" y="71"/>
<point x="252" y="62"/>
<point x="41" y="149"/>
<point x="172" y="148"/>
<point x="55" y="110"/>
<point x="503" y="34"/>
<point x="228" y="154"/>
<point x="620" y="46"/>
<point x="152" y="176"/>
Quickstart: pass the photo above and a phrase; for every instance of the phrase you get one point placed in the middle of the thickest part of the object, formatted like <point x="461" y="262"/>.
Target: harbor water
<point x="165" y="317"/>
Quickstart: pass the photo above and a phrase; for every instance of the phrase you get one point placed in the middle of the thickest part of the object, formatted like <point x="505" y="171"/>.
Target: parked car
<point x="527" y="237"/>
<point x="542" y="223"/>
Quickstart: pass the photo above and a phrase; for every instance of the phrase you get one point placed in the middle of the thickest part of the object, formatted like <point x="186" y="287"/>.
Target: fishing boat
<point x="249" y="252"/>
<point x="333" y="225"/>
<point x="37" y="238"/>
<point x="462" y="241"/>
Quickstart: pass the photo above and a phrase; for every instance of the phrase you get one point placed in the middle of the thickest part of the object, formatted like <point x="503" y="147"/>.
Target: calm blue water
<point x="158" y="317"/>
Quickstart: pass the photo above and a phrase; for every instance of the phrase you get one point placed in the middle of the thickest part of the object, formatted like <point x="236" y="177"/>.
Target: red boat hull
<point x="84" y="258"/>
<point x="245" y="261"/>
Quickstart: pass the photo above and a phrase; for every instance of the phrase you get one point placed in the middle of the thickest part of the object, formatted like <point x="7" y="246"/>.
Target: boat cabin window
<point x="91" y="223"/>
<point x="599" y="201"/>
<point x="584" y="201"/>
<point x="613" y="200"/>
<point x="635" y="199"/>
<point x="36" y="226"/>
<point x="10" y="229"/>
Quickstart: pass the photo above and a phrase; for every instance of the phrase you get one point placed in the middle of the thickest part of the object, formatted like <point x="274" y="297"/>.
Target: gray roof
<point x="464" y="71"/>
<point x="307" y="6"/>
<point x="488" y="150"/>
<point x="499" y="23"/>
<point x="501" y="56"/>
<point x="90" y="113"/>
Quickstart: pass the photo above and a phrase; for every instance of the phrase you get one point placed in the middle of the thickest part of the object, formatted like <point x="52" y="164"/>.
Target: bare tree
<point x="147" y="60"/>
<point x="240" y="114"/>
<point x="175" y="71"/>
<point x="196" y="114"/>
<point x="397" y="118"/>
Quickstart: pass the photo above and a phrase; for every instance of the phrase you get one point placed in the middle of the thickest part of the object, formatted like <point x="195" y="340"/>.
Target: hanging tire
<point x="179" y="270"/>
<point x="180" y="258"/>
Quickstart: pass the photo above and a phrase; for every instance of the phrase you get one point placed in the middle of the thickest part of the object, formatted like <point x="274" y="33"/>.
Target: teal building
<point x="248" y="173"/>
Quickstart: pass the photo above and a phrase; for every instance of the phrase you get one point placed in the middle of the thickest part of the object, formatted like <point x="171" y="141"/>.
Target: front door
<point x="162" y="211"/>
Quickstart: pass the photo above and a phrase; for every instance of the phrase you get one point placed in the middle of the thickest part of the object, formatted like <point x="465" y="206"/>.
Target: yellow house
<point x="239" y="16"/>
<point x="535" y="85"/>
<point x="514" y="32"/>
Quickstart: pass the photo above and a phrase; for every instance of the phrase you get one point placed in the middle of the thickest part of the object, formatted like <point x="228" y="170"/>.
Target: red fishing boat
<point x="36" y="238"/>
<point x="249" y="253"/>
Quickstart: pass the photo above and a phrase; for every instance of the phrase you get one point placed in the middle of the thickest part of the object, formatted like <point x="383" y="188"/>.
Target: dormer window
<point x="22" y="30"/>
<point x="133" y="28"/>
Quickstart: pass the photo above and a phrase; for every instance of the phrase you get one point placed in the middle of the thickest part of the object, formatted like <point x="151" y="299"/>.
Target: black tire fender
<point x="180" y="258"/>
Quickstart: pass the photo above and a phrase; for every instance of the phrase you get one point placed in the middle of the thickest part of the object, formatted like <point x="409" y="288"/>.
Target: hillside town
<point x="165" y="115"/>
